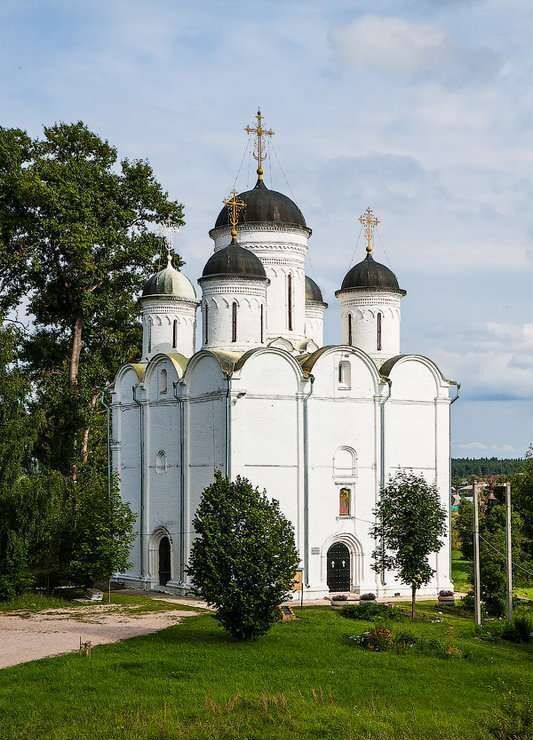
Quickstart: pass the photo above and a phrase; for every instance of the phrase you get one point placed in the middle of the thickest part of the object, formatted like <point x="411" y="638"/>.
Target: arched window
<point x="234" y="321"/>
<point x="206" y="323"/>
<point x="378" y="331"/>
<point x="262" y="325"/>
<point x="350" y="330"/>
<point x="149" y="336"/>
<point x="175" y="334"/>
<point x="163" y="381"/>
<point x="344" y="463"/>
<point x="161" y="462"/>
<point x="345" y="496"/>
<point x="289" y="302"/>
<point x="345" y="374"/>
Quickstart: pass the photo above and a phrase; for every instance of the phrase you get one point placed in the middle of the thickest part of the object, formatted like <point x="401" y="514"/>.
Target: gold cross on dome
<point x="234" y="206"/>
<point x="259" y="131"/>
<point x="369" y="222"/>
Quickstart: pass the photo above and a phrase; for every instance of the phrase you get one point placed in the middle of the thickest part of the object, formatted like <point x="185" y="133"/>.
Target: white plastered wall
<point x="343" y="428"/>
<point x="417" y="430"/>
<point x="266" y="429"/>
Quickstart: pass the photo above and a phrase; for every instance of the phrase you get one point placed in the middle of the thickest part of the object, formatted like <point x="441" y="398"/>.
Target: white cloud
<point x="487" y="449"/>
<point x="414" y="51"/>
<point x="493" y="361"/>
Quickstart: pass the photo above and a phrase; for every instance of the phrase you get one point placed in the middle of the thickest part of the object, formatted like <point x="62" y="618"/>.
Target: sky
<point x="422" y="110"/>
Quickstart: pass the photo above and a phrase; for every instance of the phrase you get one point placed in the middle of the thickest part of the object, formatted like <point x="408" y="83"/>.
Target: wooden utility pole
<point x="477" y="577"/>
<point x="509" y="544"/>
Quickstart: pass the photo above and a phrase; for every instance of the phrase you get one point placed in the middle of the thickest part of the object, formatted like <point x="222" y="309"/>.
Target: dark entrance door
<point x="164" y="561"/>
<point x="338" y="568"/>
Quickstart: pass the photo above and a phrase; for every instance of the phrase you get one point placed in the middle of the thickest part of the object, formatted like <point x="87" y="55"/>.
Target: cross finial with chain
<point x="165" y="231"/>
<point x="259" y="150"/>
<point x="234" y="206"/>
<point x="369" y="222"/>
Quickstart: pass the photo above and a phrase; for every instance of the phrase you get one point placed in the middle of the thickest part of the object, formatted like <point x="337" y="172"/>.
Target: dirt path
<point x="25" y="636"/>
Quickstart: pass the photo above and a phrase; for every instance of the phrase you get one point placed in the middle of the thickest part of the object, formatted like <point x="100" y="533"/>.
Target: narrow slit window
<point x="262" y="325"/>
<point x="289" y="301"/>
<point x="149" y="337"/>
<point x="378" y="330"/>
<point x="206" y="323"/>
<point x="161" y="462"/>
<point x="163" y="381"/>
<point x="350" y="330"/>
<point x="175" y="334"/>
<point x="345" y="374"/>
<point x="234" y="321"/>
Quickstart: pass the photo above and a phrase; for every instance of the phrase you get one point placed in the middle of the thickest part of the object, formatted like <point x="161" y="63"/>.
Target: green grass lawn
<point x="132" y="603"/>
<point x="460" y="572"/>
<point x="301" y="680"/>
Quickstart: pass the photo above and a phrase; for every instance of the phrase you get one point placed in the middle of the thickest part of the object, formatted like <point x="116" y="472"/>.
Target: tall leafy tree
<point x="464" y="523"/>
<point x="244" y="558"/>
<point x="522" y="497"/>
<point x="410" y="524"/>
<point x="492" y="555"/>
<point x="18" y="432"/>
<point x="77" y="233"/>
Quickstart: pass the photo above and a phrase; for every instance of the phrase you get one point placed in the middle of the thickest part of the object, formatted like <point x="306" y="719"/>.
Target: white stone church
<point x="320" y="427"/>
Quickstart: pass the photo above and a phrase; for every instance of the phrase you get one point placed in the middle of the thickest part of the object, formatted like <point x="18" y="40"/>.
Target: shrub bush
<point x="339" y="597"/>
<point x="378" y="639"/>
<point x="371" y="611"/>
<point x="381" y="639"/>
<point x="405" y="640"/>
<point x="445" y="593"/>
<point x="368" y="597"/>
<point x="244" y="556"/>
<point x="519" y="630"/>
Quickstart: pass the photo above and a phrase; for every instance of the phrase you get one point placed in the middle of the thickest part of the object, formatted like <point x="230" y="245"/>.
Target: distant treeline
<point x="466" y="467"/>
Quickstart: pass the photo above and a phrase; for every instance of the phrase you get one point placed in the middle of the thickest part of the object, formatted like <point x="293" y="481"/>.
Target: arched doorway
<point x="339" y="567"/>
<point x="164" y="561"/>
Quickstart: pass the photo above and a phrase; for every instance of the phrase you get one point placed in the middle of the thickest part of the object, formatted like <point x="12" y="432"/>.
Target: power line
<point x="282" y="170"/>
<point x="356" y="246"/>
<point x="242" y="161"/>
<point x="503" y="556"/>
<point x="382" y="246"/>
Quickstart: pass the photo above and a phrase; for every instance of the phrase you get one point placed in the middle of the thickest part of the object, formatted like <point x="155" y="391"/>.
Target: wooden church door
<point x="338" y="567"/>
<point x="164" y="561"/>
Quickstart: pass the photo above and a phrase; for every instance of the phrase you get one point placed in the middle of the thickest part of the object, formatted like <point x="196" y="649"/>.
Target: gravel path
<point x="25" y="636"/>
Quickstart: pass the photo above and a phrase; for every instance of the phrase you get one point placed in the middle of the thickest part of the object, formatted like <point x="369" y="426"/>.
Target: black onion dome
<point x="264" y="205"/>
<point x="312" y="291"/>
<point x="234" y="261"/>
<point x="373" y="275"/>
